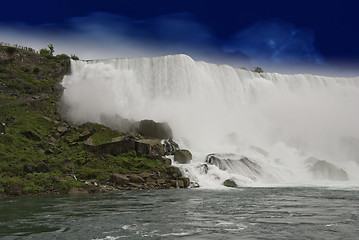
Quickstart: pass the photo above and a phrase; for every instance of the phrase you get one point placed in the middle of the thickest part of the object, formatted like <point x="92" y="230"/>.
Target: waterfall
<point x="278" y="121"/>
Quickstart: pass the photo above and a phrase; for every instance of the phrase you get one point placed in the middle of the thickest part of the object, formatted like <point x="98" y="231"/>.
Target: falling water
<point x="299" y="129"/>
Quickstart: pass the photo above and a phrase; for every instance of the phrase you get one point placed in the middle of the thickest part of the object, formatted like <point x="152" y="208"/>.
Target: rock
<point x="236" y="164"/>
<point x="170" y="146"/>
<point x="119" y="179"/>
<point x="151" y="148"/>
<point x="185" y="181"/>
<point x="174" y="171"/>
<point x="146" y="175"/>
<point x="230" y="183"/>
<point x="136" y="179"/>
<point x="75" y="191"/>
<point x="124" y="145"/>
<point x="2" y="128"/>
<point x="160" y="181"/>
<point x="31" y="135"/>
<point x="183" y="156"/>
<point x="150" y="128"/>
<point x="84" y="135"/>
<point x="166" y="161"/>
<point x="203" y="168"/>
<point x="142" y="148"/>
<point x="62" y="129"/>
<point x="324" y="170"/>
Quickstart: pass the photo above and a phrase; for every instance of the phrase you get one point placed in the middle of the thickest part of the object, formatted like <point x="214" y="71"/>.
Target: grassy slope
<point x="35" y="154"/>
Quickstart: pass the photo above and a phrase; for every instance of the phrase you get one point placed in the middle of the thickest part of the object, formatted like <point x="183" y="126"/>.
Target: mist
<point x="217" y="108"/>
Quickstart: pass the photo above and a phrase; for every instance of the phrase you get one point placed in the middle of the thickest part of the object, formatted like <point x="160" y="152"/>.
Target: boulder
<point x="166" y="161"/>
<point x="230" y="183"/>
<point x="174" y="171"/>
<point x="119" y="179"/>
<point x="62" y="129"/>
<point x="183" y="156"/>
<point x="170" y="146"/>
<point x="136" y="179"/>
<point x="235" y="164"/>
<point x="323" y="170"/>
<point x="203" y="168"/>
<point x="152" y="148"/>
<point x="150" y="128"/>
<point x="185" y="180"/>
<point x="122" y="145"/>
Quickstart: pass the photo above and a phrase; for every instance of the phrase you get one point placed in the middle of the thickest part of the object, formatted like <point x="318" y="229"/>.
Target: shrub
<point x="10" y="50"/>
<point x="74" y="57"/>
<point x="45" y="52"/>
<point x="257" y="70"/>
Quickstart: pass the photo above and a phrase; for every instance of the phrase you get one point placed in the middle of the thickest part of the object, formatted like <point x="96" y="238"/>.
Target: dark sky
<point x="273" y="33"/>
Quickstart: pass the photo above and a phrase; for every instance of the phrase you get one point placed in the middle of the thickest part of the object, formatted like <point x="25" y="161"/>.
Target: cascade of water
<point x="276" y="120"/>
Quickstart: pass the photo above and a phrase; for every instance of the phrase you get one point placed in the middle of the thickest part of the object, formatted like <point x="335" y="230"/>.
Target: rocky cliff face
<point x="40" y="152"/>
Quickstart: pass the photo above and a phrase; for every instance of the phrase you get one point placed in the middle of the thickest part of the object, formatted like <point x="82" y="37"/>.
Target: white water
<point x="218" y="109"/>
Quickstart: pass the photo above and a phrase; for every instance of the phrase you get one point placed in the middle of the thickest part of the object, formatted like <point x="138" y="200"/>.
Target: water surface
<point x="247" y="213"/>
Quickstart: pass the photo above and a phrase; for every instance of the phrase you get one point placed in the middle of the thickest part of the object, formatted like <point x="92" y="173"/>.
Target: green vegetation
<point x="39" y="151"/>
<point x="257" y="70"/>
<point x="74" y="57"/>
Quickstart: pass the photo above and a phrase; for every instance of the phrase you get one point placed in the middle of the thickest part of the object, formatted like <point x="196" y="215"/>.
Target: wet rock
<point x="230" y="183"/>
<point x="151" y="148"/>
<point x="185" y="181"/>
<point x="31" y="135"/>
<point x="183" y="156"/>
<point x="236" y="164"/>
<point x="119" y="179"/>
<point x="324" y="170"/>
<point x="174" y="171"/>
<point x="170" y="146"/>
<point x="166" y="161"/>
<point x="203" y="168"/>
<point x="150" y="128"/>
<point x="136" y="179"/>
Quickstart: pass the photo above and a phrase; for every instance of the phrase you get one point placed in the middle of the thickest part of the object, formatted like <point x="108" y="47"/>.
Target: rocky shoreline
<point x="41" y="152"/>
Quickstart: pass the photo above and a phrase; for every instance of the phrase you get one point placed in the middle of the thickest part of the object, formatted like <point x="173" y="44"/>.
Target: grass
<point x="34" y="157"/>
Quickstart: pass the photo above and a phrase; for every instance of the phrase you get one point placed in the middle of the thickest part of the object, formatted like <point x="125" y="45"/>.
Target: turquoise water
<point x="247" y="213"/>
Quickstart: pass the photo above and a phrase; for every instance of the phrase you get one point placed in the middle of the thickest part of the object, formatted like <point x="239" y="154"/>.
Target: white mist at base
<point x="277" y="121"/>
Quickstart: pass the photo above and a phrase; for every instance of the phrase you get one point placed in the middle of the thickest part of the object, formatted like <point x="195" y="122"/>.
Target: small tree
<point x="74" y="57"/>
<point x="51" y="47"/>
<point x="45" y="52"/>
<point x="243" y="68"/>
<point x="257" y="70"/>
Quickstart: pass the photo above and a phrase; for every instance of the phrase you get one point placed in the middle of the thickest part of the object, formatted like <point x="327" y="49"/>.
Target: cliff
<point x="42" y="153"/>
